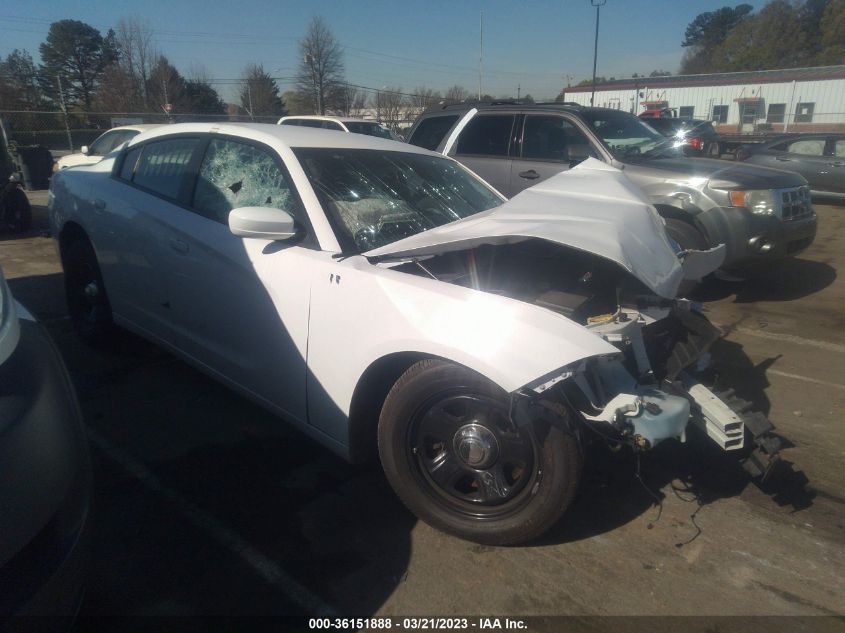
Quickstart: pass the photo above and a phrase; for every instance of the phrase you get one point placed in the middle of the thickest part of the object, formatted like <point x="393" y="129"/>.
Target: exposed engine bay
<point x="654" y="388"/>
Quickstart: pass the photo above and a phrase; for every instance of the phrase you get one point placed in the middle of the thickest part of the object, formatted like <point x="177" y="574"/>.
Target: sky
<point x="531" y="46"/>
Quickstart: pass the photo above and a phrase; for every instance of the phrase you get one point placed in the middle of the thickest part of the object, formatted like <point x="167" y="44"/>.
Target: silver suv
<point x="761" y="215"/>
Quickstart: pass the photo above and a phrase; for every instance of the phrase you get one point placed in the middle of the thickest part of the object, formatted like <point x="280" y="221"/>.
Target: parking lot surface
<point x="206" y="504"/>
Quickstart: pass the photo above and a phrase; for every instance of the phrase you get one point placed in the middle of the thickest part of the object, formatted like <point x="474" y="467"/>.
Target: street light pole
<point x="597" y="4"/>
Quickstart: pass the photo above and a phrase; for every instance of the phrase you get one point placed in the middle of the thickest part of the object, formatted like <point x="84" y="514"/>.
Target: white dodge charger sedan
<point x="384" y="299"/>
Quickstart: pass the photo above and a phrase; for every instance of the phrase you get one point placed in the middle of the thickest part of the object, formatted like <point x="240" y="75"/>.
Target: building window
<point x="720" y="113"/>
<point x="804" y="112"/>
<point x="776" y="113"/>
<point x="686" y="112"/>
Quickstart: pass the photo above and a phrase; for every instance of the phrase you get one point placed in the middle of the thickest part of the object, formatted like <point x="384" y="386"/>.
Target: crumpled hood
<point x="593" y="207"/>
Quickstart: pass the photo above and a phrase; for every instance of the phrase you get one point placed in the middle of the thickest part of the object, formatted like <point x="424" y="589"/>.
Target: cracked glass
<point x="235" y="175"/>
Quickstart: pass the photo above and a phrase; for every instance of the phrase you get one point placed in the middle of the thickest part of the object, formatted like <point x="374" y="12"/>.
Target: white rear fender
<point x="361" y="313"/>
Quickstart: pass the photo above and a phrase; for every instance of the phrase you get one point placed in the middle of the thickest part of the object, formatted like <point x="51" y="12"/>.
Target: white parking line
<point x="805" y="379"/>
<point x="791" y="338"/>
<point x="264" y="566"/>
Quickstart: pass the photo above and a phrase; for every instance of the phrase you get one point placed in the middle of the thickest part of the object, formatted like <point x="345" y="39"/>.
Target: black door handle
<point x="838" y="163"/>
<point x="530" y="174"/>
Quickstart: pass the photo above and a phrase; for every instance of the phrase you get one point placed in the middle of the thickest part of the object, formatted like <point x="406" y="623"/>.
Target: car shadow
<point x="791" y="279"/>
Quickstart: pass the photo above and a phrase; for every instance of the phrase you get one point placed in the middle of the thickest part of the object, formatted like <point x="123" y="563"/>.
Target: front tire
<point x="449" y="451"/>
<point x="688" y="238"/>
<point x="88" y="305"/>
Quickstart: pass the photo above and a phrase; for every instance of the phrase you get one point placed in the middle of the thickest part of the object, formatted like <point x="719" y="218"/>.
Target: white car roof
<point x="138" y="127"/>
<point x="317" y="117"/>
<point x="284" y="136"/>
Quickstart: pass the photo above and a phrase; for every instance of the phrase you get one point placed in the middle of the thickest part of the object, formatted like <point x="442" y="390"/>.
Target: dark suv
<point x="760" y="214"/>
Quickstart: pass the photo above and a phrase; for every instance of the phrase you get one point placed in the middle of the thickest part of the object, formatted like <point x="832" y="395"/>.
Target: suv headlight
<point x="758" y="201"/>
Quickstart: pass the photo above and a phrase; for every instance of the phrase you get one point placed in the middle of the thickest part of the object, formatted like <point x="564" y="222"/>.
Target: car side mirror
<point x="262" y="223"/>
<point x="84" y="149"/>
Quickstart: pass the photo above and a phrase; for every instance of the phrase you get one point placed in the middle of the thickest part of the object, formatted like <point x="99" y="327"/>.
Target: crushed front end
<point x="656" y="386"/>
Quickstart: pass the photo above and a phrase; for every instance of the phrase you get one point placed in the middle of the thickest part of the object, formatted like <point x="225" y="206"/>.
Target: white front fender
<point x="372" y="312"/>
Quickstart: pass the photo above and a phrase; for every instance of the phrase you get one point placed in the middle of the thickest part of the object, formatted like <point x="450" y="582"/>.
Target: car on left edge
<point x="45" y="473"/>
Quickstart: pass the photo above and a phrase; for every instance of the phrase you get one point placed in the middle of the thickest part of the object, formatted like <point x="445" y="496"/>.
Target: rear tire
<point x="451" y="455"/>
<point x="87" y="302"/>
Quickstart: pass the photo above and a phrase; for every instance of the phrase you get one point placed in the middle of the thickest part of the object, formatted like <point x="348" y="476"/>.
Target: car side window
<point x="430" y="132"/>
<point x="331" y="125"/>
<point x="235" y="175"/>
<point x="290" y="122"/>
<point x="311" y="123"/>
<point x="553" y="138"/>
<point x="487" y="135"/>
<point x="104" y="144"/>
<point x="839" y="149"/>
<point x="807" y="147"/>
<point x="129" y="162"/>
<point x="163" y="165"/>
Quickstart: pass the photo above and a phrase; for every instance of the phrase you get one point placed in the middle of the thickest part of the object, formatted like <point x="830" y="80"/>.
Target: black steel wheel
<point x="88" y="305"/>
<point x="17" y="212"/>
<point x="452" y="454"/>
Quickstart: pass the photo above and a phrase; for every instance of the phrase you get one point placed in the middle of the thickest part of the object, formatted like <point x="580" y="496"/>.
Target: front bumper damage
<point x="654" y="391"/>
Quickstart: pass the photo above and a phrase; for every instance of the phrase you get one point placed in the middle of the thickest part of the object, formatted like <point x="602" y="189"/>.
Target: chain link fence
<point x="66" y="133"/>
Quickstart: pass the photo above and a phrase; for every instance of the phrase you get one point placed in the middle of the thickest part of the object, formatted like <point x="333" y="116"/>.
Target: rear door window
<point x="807" y="147"/>
<point x="163" y="165"/>
<point x="487" y="135"/>
<point x="431" y="131"/>
<point x="839" y="148"/>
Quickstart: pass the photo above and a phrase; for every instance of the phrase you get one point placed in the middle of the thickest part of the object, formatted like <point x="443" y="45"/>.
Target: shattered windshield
<point x="373" y="198"/>
<point x="628" y="137"/>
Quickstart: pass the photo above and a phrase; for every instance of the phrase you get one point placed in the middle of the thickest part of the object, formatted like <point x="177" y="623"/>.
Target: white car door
<point x="135" y="210"/>
<point x="241" y="305"/>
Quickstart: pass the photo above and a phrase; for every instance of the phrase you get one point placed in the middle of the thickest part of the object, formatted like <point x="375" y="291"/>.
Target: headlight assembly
<point x="759" y="201"/>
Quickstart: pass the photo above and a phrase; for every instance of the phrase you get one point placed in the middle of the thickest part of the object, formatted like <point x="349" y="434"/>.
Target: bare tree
<point x="321" y="69"/>
<point x="423" y="98"/>
<point x="352" y="102"/>
<point x="391" y="106"/>
<point x="137" y="56"/>
<point x="456" y="94"/>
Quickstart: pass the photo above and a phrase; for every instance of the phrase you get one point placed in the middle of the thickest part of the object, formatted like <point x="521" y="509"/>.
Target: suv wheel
<point x="450" y="452"/>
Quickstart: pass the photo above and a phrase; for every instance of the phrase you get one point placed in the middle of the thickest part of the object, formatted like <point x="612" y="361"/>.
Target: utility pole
<point x="480" y="49"/>
<point x="518" y="91"/>
<point x="597" y="4"/>
<point x="249" y="97"/>
<point x="64" y="112"/>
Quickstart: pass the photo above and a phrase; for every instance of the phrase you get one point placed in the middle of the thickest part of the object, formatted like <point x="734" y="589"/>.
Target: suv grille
<point x="795" y="204"/>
